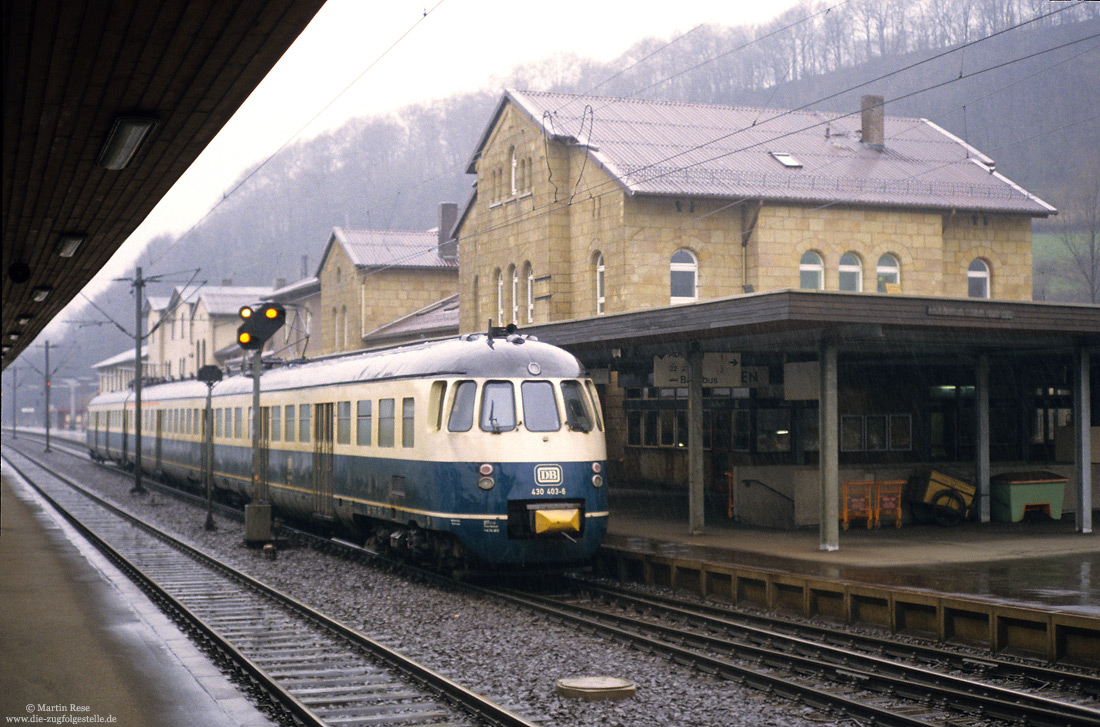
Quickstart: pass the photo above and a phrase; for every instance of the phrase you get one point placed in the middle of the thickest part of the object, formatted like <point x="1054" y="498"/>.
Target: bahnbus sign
<point x="719" y="369"/>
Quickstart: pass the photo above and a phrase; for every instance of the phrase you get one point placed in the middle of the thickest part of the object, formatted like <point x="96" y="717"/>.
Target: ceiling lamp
<point x="122" y="143"/>
<point x="23" y="319"/>
<point x="69" y="244"/>
<point x="41" y="293"/>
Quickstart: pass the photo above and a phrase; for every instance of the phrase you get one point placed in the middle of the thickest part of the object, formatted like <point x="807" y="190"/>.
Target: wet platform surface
<point x="80" y="641"/>
<point x="1044" y="564"/>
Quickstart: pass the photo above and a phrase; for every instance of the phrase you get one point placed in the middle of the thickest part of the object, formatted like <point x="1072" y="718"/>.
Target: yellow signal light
<point x="244" y="337"/>
<point x="245" y="312"/>
<point x="271" y="312"/>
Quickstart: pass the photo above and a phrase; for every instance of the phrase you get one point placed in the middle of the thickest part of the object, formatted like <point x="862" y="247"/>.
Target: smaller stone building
<point x="370" y="278"/>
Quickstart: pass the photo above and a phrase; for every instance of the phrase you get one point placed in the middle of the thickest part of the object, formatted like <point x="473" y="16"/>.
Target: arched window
<point x="601" y="294"/>
<point x="500" y="298"/>
<point x="529" y="276"/>
<point x="888" y="272"/>
<point x="477" y="303"/>
<point x="851" y="272"/>
<point x="515" y="295"/>
<point x="977" y="279"/>
<point x="683" y="270"/>
<point x="513" y="172"/>
<point x="811" y="271"/>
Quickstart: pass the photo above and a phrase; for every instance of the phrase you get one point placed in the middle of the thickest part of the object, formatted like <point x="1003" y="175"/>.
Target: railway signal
<point x="259" y="324"/>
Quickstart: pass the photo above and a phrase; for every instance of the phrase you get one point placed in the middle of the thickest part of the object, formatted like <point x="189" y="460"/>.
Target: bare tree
<point x="1080" y="229"/>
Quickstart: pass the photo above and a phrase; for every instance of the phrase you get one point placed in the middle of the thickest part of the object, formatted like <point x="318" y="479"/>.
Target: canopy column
<point x="981" y="438"/>
<point x="829" y="462"/>
<point x="1082" y="446"/>
<point x="696" y="485"/>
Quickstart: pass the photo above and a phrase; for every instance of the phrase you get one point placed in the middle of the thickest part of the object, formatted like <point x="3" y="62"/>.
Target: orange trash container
<point x="857" y="500"/>
<point x="888" y="500"/>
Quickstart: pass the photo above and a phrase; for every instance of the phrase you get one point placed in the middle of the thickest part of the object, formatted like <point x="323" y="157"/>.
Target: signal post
<point x="259" y="324"/>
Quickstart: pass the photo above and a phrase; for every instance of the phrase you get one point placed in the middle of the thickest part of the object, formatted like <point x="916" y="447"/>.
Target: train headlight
<point x="486" y="483"/>
<point x="485" y="470"/>
<point x="597" y="480"/>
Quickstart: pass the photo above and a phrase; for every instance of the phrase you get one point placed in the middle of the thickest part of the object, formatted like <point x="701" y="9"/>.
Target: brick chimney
<point x="448" y="246"/>
<point x="873" y="132"/>
<point x="279" y="283"/>
<point x="227" y="281"/>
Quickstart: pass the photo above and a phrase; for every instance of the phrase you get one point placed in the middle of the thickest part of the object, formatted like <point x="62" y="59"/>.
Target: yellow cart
<point x="945" y="498"/>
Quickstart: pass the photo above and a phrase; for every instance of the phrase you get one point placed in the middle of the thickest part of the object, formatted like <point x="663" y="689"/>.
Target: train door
<point x="158" y="447"/>
<point x="265" y="447"/>
<point x="322" y="460"/>
<point x="95" y="431"/>
<point x="125" y="434"/>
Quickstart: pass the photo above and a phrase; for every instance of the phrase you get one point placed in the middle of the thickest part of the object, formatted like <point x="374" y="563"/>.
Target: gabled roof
<point x="688" y="149"/>
<point x="155" y="303"/>
<point x="226" y="300"/>
<point x="438" y="319"/>
<point x="388" y="249"/>
<point x="126" y="357"/>
<point x="296" y="290"/>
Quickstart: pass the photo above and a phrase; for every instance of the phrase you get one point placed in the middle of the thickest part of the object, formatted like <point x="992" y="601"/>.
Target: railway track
<point x="840" y="672"/>
<point x="315" y="668"/>
<point x="884" y="682"/>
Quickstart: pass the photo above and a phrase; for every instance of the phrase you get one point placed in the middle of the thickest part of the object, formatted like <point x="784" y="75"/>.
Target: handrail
<point x="749" y="481"/>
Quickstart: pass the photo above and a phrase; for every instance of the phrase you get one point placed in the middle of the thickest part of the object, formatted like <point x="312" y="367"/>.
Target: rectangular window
<point x="195" y="428"/>
<point x="238" y="431"/>
<point x="540" y="409"/>
<point x="681" y="428"/>
<point x="634" y="428"/>
<point x="276" y="423"/>
<point x="363" y="423"/>
<point x="851" y="433"/>
<point x="742" y="430"/>
<point x="498" y="407"/>
<point x="668" y="427"/>
<point x="875" y="432"/>
<point x="408" y="422"/>
<point x="304" y="420"/>
<point x="385" y="422"/>
<point x="649" y="432"/>
<point x="901" y="432"/>
<point x="219" y="414"/>
<point x="773" y="430"/>
<point x="289" y="427"/>
<point x="343" y="422"/>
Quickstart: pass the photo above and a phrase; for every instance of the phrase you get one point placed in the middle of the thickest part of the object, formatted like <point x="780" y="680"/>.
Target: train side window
<point x="595" y="404"/>
<point x="435" y="404"/>
<point x="540" y="409"/>
<point x="343" y="422"/>
<point x="288" y="423"/>
<point x="363" y="423"/>
<point x="304" y="421"/>
<point x="385" y="422"/>
<point x="408" y="422"/>
<point x="498" y="407"/>
<point x="462" y="410"/>
<point x="577" y="416"/>
<point x="217" y="422"/>
<point x="276" y="423"/>
<point x="238" y="432"/>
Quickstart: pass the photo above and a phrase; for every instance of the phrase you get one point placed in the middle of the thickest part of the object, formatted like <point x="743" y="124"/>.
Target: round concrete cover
<point x="593" y="689"/>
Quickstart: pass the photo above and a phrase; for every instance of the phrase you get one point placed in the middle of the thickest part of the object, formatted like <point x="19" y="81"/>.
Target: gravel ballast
<point x="510" y="655"/>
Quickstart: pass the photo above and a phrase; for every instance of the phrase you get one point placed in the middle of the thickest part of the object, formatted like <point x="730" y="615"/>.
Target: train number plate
<point x="548" y="474"/>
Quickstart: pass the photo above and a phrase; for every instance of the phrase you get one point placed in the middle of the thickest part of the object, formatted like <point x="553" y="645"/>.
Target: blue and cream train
<point x="479" y="449"/>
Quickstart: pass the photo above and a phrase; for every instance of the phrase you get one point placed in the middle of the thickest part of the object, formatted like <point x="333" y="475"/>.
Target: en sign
<point x="719" y="369"/>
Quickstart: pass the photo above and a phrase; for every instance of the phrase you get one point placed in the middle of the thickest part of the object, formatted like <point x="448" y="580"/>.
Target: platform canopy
<point x="74" y="72"/>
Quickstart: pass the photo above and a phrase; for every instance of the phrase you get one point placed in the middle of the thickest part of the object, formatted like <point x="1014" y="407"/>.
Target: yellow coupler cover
<point x="557" y="521"/>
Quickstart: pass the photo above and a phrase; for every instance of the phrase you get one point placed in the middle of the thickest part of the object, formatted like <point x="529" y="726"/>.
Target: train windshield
<point x="577" y="416"/>
<point x="498" y="407"/>
<point x="540" y="410"/>
<point x="462" y="410"/>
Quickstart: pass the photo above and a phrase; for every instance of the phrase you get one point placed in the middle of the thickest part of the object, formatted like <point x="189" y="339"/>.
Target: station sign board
<point x="719" y="369"/>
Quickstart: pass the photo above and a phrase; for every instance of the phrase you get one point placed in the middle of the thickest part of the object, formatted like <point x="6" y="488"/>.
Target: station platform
<point x="81" y="643"/>
<point x="1045" y="565"/>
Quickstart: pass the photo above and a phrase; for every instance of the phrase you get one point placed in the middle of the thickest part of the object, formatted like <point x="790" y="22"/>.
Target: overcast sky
<point x="361" y="58"/>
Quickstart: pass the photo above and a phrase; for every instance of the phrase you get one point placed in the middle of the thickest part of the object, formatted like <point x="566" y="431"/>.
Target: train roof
<point x="475" y="355"/>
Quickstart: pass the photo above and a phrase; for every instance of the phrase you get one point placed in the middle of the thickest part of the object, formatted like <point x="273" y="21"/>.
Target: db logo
<point x="548" y="474"/>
